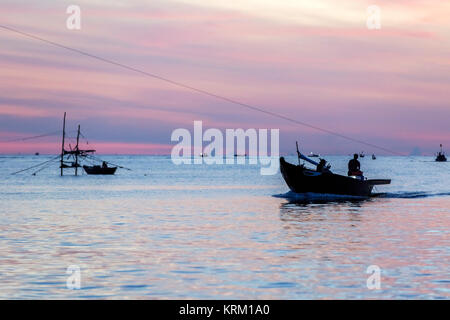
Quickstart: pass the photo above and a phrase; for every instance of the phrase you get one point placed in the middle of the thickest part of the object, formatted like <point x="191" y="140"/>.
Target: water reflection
<point x="323" y="223"/>
<point x="180" y="233"/>
<point x="296" y="210"/>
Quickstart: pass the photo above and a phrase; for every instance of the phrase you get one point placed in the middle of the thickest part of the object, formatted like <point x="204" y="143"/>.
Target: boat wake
<point x="295" y="197"/>
<point x="310" y="196"/>
<point x="409" y="195"/>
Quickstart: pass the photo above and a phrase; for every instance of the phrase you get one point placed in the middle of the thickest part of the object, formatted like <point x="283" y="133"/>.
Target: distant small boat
<point x="203" y="155"/>
<point x="374" y="157"/>
<point x="36" y="154"/>
<point x="362" y="155"/>
<point x="313" y="155"/>
<point x="440" y="157"/>
<point x="100" y="170"/>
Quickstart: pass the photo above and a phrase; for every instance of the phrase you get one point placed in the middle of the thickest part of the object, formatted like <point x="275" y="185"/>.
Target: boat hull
<point x="97" y="170"/>
<point x="302" y="180"/>
<point x="441" y="158"/>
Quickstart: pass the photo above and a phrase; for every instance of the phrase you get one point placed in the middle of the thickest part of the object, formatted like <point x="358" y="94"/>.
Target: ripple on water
<point x="211" y="232"/>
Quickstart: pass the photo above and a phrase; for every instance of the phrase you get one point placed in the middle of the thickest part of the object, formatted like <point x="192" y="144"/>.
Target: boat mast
<point x="63" y="140"/>
<point x="77" y="151"/>
<point x="303" y="157"/>
<point x="298" y="152"/>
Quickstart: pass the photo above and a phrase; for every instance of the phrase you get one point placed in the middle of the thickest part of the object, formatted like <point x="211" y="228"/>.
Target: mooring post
<point x="77" y="151"/>
<point x="63" y="140"/>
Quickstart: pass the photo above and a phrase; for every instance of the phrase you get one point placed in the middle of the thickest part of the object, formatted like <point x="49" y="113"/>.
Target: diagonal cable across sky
<point x="198" y="90"/>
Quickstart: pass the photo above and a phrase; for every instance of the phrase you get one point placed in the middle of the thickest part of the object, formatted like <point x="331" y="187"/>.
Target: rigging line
<point x="204" y="92"/>
<point x="89" y="161"/>
<point x="100" y="160"/>
<point x="38" y="165"/>
<point x="41" y="169"/>
<point x="31" y="137"/>
<point x="84" y="137"/>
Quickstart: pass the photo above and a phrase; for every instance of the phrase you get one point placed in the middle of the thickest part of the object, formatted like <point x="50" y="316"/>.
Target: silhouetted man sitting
<point x="354" y="167"/>
<point x="321" y="166"/>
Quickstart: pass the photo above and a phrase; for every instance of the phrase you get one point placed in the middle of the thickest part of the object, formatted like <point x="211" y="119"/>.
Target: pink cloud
<point x="344" y="78"/>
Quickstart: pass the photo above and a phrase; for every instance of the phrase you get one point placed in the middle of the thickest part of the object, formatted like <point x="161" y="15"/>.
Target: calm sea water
<point x="221" y="232"/>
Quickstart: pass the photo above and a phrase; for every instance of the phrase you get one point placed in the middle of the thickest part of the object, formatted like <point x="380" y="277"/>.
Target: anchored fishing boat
<point x="100" y="170"/>
<point x="300" y="179"/>
<point x="440" y="157"/>
<point x="71" y="158"/>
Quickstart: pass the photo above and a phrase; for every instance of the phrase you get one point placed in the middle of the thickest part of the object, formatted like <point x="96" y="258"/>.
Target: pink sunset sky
<point x="314" y="61"/>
